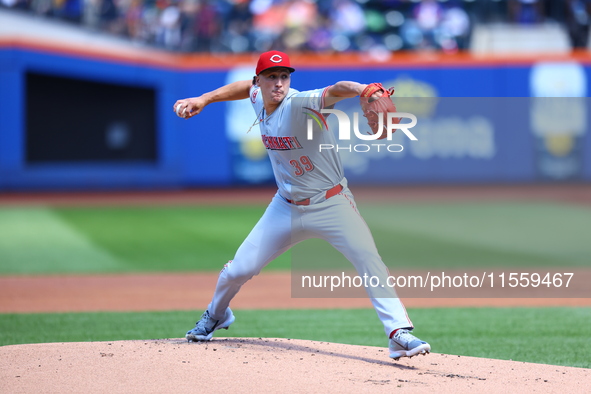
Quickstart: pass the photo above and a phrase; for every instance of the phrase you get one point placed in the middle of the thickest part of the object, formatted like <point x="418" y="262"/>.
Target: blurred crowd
<point x="306" y="25"/>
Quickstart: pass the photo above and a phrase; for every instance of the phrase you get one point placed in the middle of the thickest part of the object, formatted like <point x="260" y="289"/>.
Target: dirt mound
<point x="264" y="365"/>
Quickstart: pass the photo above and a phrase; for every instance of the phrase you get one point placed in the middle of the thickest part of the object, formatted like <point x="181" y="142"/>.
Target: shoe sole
<point x="423" y="349"/>
<point x="203" y="338"/>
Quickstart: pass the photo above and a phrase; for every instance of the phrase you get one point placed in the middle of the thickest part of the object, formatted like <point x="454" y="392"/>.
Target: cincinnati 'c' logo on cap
<point x="276" y="59"/>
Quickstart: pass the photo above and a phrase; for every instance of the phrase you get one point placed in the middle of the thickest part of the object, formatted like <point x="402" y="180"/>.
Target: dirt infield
<point x="569" y="193"/>
<point x="241" y="365"/>
<point x="192" y="291"/>
<point x="251" y="365"/>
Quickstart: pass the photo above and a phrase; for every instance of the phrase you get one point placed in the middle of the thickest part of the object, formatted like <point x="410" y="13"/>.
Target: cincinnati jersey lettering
<point x="281" y="143"/>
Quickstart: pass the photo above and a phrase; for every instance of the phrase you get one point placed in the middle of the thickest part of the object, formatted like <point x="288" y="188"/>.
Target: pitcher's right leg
<point x="270" y="237"/>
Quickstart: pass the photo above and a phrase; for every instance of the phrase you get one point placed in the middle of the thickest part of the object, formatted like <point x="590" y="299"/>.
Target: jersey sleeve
<point x="256" y="98"/>
<point x="314" y="99"/>
<point x="324" y="93"/>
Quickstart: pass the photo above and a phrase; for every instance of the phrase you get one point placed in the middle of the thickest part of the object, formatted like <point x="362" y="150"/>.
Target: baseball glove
<point x="374" y="107"/>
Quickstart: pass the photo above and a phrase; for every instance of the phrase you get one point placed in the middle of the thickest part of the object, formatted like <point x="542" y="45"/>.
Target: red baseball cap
<point x="273" y="59"/>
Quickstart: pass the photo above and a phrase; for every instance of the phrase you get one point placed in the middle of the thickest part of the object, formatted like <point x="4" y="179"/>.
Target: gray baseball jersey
<point x="300" y="170"/>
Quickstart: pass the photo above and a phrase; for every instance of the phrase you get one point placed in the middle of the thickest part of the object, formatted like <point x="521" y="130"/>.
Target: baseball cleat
<point x="206" y="326"/>
<point x="404" y="344"/>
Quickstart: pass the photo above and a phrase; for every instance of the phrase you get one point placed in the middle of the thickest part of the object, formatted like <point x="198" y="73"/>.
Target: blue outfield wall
<point x="212" y="150"/>
<point x="185" y="155"/>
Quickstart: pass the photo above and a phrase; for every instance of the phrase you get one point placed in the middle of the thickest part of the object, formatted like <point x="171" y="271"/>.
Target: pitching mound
<point x="264" y="365"/>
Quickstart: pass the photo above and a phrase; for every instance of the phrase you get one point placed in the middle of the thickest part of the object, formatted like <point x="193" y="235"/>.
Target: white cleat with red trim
<point x="404" y="344"/>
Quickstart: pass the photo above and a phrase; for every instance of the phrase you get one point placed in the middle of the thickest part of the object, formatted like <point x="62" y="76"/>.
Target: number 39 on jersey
<point x="302" y="165"/>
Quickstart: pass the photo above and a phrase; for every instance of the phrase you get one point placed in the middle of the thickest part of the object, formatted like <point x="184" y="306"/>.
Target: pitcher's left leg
<point x="338" y="222"/>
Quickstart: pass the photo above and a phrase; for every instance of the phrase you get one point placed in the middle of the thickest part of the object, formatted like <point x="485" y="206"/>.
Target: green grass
<point x="556" y="336"/>
<point x="484" y="234"/>
<point x="93" y="240"/>
<point x="196" y="238"/>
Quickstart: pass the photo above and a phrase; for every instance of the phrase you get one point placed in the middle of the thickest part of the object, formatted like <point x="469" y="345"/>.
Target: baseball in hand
<point x="178" y="109"/>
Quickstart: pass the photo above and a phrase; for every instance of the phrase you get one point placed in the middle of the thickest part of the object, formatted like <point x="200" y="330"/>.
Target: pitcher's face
<point x="274" y="84"/>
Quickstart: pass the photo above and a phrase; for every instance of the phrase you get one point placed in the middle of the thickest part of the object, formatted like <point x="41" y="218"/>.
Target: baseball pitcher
<point x="312" y="200"/>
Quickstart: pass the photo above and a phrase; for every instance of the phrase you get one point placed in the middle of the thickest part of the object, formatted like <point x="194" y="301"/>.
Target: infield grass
<point x="203" y="238"/>
<point x="558" y="336"/>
